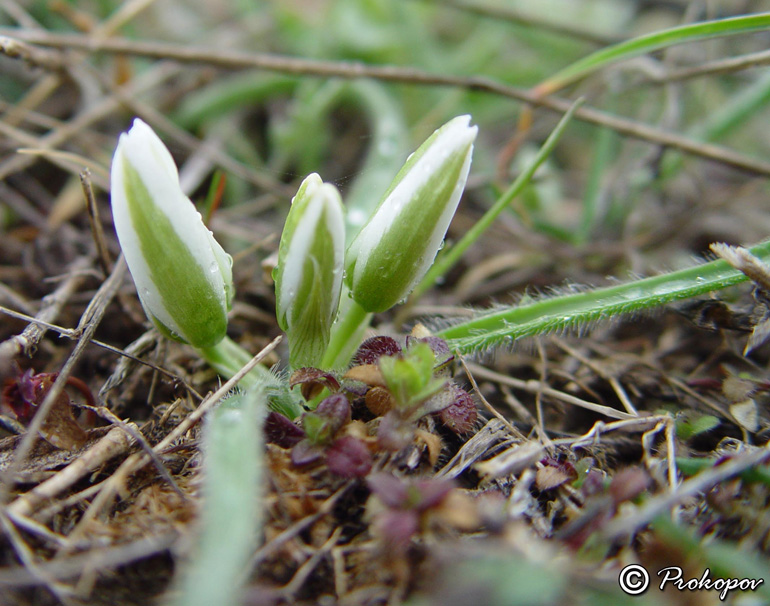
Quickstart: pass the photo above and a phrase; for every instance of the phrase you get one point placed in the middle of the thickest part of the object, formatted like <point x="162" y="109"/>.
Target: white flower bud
<point x="182" y="274"/>
<point x="399" y="243"/>
<point x="308" y="277"/>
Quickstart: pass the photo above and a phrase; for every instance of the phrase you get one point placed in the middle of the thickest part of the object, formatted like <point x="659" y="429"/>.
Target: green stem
<point x="347" y="333"/>
<point x="447" y="260"/>
<point x="578" y="310"/>
<point x="227" y="358"/>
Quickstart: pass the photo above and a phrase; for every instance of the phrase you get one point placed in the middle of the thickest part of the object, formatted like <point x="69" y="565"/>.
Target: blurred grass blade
<point x="447" y="259"/>
<point x="579" y="310"/>
<point x="228" y="95"/>
<point x="389" y="144"/>
<point x="605" y="149"/>
<point x="649" y="43"/>
<point x="733" y="113"/>
<point x="231" y="515"/>
<point x="690" y="466"/>
<point x="723" y="558"/>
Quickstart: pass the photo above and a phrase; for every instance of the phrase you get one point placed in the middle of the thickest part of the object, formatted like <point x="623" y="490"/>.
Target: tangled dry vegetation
<point x="643" y="440"/>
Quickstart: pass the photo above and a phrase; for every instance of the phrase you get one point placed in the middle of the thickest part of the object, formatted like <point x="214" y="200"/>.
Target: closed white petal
<point x="143" y="154"/>
<point x="367" y="256"/>
<point x="150" y="158"/>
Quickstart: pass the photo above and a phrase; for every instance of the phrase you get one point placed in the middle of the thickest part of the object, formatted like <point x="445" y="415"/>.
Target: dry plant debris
<point x="557" y="464"/>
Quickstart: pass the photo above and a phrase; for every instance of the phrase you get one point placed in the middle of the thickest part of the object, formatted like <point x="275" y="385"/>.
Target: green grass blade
<point x="652" y="42"/>
<point x="389" y="144"/>
<point x="690" y="466"/>
<point x="579" y="310"/>
<point x="231" y="516"/>
<point x="228" y="95"/>
<point x="605" y="150"/>
<point x="723" y="558"/>
<point x="734" y="112"/>
<point x="452" y="255"/>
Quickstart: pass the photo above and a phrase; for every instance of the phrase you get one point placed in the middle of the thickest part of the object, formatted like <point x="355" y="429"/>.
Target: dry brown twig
<point x="116" y="442"/>
<point x="80" y="123"/>
<point x="72" y="333"/>
<point x="32" y="55"/>
<point x="100" y="559"/>
<point x="86" y="328"/>
<point x="533" y="386"/>
<point x="714" y="68"/>
<point x="507" y="13"/>
<point x="27" y="557"/>
<point x="291" y="588"/>
<point x="388" y="73"/>
<point x="629" y="524"/>
<point x="26" y="343"/>
<point x="97" y="231"/>
<point x="603" y="372"/>
<point x="299" y="526"/>
<point x="110" y="486"/>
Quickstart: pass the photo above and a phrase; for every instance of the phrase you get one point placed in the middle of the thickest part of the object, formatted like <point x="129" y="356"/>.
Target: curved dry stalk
<point x="389" y="73"/>
<point x="89" y="321"/>
<point x="630" y="523"/>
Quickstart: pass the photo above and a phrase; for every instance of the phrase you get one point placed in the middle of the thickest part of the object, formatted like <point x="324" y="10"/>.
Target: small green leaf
<point x="410" y="378"/>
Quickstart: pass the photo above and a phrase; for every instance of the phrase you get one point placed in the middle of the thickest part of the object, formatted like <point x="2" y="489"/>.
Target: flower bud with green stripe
<point x="182" y="274"/>
<point x="399" y="243"/>
<point x="308" y="276"/>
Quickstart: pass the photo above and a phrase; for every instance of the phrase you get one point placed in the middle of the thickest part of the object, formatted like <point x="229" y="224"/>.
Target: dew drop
<point x="214" y="267"/>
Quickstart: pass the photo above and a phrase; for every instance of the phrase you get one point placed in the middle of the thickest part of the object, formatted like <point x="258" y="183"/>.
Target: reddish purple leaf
<point x="628" y="484"/>
<point x="430" y="493"/>
<point x="348" y="457"/>
<point x="460" y="416"/>
<point x="281" y="431"/>
<point x="336" y="408"/>
<point x="373" y="349"/>
<point x="313" y="380"/>
<point x="305" y="453"/>
<point x="392" y="491"/>
<point x="397" y="527"/>
<point x="60" y="428"/>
